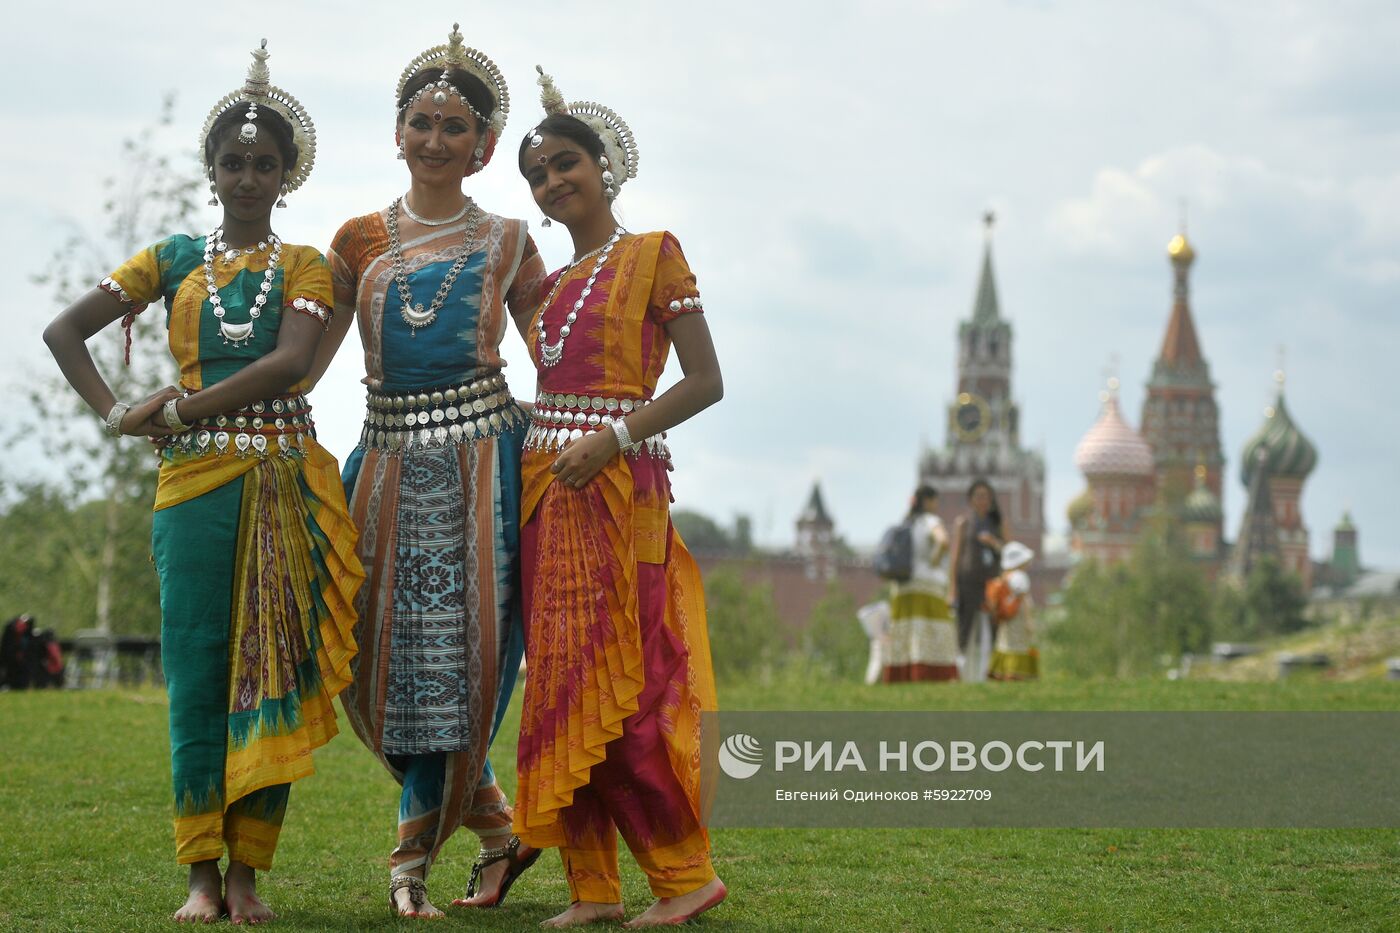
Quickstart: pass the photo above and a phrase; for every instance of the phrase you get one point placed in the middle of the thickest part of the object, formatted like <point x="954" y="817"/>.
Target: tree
<point x="1120" y="620"/>
<point x="700" y="532"/>
<point x="1271" y="602"/>
<point x="834" y="640"/>
<point x="743" y="624"/>
<point x="149" y="199"/>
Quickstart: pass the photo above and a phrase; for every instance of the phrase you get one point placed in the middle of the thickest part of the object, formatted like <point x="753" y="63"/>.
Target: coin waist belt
<point x="559" y="419"/>
<point x="275" y="427"/>
<point x="440" y="417"/>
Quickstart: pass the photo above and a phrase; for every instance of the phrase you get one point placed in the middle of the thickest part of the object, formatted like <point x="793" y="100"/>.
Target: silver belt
<point x="439" y="417"/>
<point x="559" y="419"/>
<point x="275" y="427"/>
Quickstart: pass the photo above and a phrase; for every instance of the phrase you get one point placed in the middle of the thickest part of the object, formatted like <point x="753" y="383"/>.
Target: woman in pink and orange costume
<point x="616" y="642"/>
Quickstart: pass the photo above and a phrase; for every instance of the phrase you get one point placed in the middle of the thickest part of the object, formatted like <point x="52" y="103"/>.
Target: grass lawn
<point x="85" y="839"/>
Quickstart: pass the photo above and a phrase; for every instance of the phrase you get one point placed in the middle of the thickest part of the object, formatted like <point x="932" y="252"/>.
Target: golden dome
<point x="1179" y="249"/>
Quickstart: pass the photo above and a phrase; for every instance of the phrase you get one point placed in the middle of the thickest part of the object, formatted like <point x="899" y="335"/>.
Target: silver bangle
<point x="114" y="418"/>
<point x="172" y="417"/>
<point x="624" y="437"/>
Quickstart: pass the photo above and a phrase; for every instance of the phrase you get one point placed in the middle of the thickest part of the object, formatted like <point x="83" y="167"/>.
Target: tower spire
<point x="986" y="310"/>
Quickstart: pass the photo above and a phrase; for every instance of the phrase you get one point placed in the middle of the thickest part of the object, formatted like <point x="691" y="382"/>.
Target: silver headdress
<point x="619" y="145"/>
<point x="258" y="91"/>
<point x="456" y="55"/>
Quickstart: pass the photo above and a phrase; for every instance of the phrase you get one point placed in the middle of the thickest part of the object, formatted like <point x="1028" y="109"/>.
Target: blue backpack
<point x="894" y="557"/>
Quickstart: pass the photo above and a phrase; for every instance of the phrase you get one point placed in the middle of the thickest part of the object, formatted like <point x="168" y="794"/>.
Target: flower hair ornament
<point x="258" y="92"/>
<point x="620" y="152"/>
<point x="456" y="55"/>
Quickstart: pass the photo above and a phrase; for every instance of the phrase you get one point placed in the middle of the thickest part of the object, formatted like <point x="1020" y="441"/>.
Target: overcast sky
<point x="825" y="168"/>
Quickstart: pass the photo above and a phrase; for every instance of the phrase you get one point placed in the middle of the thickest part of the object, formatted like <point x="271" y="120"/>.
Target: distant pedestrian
<point x="922" y="640"/>
<point x="978" y="538"/>
<point x="1009" y="604"/>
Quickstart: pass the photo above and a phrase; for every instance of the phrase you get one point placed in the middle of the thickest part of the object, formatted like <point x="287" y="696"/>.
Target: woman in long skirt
<point x="434" y="484"/>
<point x="618" y="652"/>
<point x="252" y="540"/>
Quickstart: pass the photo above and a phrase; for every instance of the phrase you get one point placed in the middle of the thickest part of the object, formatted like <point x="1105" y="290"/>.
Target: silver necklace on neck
<point x="409" y="213"/>
<point x="415" y="315"/>
<point x="230" y="253"/>
<point x="552" y="353"/>
<point x="238" y="334"/>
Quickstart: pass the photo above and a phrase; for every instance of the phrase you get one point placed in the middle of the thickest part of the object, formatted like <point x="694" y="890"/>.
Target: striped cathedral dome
<point x="1287" y="451"/>
<point x="1111" y="448"/>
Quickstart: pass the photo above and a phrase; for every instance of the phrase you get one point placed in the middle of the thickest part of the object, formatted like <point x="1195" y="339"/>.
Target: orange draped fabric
<point x="616" y="642"/>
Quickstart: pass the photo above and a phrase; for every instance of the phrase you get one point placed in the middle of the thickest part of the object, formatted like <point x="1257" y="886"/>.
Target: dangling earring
<point x="401" y="155"/>
<point x="609" y="191"/>
<point x="282" y="200"/>
<point x="213" y="194"/>
<point x="477" y="164"/>
<point x="546" y="222"/>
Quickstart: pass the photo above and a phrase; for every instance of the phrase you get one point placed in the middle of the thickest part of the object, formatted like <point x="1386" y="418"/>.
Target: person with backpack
<point x="922" y="643"/>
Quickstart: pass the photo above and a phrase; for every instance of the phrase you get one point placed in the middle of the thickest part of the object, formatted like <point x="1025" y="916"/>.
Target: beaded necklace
<point x="552" y="353"/>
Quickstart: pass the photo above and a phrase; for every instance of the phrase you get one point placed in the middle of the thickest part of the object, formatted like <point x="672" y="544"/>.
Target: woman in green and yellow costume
<point x="252" y="538"/>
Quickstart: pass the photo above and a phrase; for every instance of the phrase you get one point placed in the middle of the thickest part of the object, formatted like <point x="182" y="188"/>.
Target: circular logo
<point x="740" y="756"/>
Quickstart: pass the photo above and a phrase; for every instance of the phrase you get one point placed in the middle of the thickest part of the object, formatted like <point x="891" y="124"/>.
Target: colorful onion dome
<point x="1287" y="451"/>
<point x="1111" y="448"/>
<point x="1201" y="505"/>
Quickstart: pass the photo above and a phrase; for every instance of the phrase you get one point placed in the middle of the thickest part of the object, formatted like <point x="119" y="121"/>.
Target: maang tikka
<point x="619" y="145"/>
<point x="258" y="92"/>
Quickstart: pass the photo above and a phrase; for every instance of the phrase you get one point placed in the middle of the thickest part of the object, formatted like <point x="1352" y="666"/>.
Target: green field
<point x="85" y="840"/>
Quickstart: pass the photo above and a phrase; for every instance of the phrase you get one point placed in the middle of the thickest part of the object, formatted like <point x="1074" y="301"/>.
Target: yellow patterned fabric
<point x="173" y="270"/>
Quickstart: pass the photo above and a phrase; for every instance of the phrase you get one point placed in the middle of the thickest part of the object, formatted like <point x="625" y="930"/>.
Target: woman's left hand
<point x="583" y="458"/>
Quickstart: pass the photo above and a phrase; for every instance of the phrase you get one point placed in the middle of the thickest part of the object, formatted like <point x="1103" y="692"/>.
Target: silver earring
<point x="478" y="165"/>
<point x="546" y="222"/>
<point x="603" y="161"/>
<point x="213" y="196"/>
<point x="401" y="155"/>
<point x="282" y="200"/>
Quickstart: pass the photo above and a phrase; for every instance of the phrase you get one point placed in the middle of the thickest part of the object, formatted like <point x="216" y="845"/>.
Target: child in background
<point x="1010" y="608"/>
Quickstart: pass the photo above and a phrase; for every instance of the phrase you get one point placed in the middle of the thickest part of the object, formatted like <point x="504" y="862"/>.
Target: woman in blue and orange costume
<point x="616" y="642"/>
<point x="252" y="539"/>
<point x="434" y="484"/>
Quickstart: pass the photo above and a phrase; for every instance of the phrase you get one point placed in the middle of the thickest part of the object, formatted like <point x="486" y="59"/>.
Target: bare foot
<point x="673" y="911"/>
<point x="241" y="895"/>
<point x="423" y="910"/>
<point x="205" y="903"/>
<point x="582" y="912"/>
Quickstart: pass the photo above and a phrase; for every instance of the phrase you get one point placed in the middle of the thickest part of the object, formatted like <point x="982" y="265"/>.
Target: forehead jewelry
<point x="248" y="134"/>
<point x="536" y="140"/>
<point x="456" y="55"/>
<point x="619" y="159"/>
<point x="259" y="94"/>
